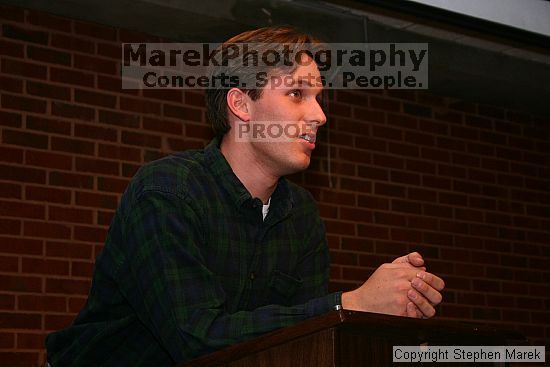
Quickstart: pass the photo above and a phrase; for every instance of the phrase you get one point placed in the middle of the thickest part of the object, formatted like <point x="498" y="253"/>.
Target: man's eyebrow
<point x="301" y="81"/>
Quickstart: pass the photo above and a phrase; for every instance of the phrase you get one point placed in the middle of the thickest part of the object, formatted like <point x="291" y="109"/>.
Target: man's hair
<point x="260" y="40"/>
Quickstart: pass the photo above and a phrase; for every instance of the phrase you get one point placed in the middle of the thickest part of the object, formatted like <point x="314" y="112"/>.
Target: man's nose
<point x="316" y="115"/>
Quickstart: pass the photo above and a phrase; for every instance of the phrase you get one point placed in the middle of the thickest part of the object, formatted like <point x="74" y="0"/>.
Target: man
<point x="212" y="247"/>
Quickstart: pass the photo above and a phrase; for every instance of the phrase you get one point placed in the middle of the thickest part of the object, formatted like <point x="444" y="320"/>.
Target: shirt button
<point x="252" y="276"/>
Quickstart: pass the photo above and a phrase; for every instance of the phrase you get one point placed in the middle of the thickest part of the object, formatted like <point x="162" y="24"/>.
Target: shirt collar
<point x="223" y="173"/>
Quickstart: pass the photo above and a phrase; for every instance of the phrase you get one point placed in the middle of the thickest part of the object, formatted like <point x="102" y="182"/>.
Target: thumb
<point x="414" y="258"/>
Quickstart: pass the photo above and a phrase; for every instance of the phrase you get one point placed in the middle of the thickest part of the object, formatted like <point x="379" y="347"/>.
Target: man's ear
<point x="238" y="103"/>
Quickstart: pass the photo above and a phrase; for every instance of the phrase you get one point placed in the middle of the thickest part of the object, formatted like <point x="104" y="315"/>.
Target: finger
<point x="433" y="280"/>
<point x="413" y="312"/>
<point x="432" y="295"/>
<point x="414" y="258"/>
<point x="421" y="303"/>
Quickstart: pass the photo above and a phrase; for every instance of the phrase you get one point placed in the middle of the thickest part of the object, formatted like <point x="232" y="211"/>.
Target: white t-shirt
<point x="265" y="208"/>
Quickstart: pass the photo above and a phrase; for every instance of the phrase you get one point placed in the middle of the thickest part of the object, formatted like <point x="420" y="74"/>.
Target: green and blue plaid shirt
<point x="190" y="266"/>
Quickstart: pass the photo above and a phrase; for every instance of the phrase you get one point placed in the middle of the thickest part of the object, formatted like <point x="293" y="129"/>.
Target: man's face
<point x="292" y="108"/>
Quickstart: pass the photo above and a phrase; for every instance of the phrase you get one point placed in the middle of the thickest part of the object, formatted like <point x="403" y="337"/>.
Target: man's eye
<point x="295" y="94"/>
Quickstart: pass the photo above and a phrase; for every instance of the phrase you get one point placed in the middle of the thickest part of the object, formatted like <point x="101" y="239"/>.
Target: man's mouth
<point x="309" y="137"/>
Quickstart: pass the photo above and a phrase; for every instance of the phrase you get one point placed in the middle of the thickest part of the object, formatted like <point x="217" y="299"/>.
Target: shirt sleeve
<point x="178" y="298"/>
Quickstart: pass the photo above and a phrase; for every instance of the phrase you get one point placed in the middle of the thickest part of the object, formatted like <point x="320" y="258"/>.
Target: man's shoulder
<point x="302" y="198"/>
<point x="174" y="173"/>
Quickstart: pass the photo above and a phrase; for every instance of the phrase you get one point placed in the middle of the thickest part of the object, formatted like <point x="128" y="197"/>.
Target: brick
<point x="114" y="84"/>
<point x="10" y="119"/>
<point x="82" y="269"/>
<point x="95" y="31"/>
<point x="20" y="283"/>
<point x="48" y="266"/>
<point x="361" y="114"/>
<point x="48" y="55"/>
<point x="77" y="146"/>
<point x="13" y="13"/>
<point x="119" y="119"/>
<point x="384" y="104"/>
<point x="12" y="155"/>
<point x="390" y="219"/>
<point x="95" y="64"/>
<point x="184" y="113"/>
<point x="11" y="84"/>
<point x="404" y="206"/>
<point x="70" y="43"/>
<point x="70" y="250"/>
<point x="140" y="106"/>
<point x="90" y="234"/>
<point x="69" y="76"/>
<point x="22" y="246"/>
<point x="67" y="286"/>
<point x="10" y="190"/>
<point x="388" y="161"/>
<point x="430" y="126"/>
<point x="387" y="133"/>
<point x="105" y="218"/>
<point x="415" y="193"/>
<point x="22" y="174"/>
<point x="402" y="121"/>
<point x="198" y="131"/>
<point x="10" y="320"/>
<point x="174" y="95"/>
<point x="404" y="177"/>
<point x="129" y="170"/>
<point x="9" y="264"/>
<point x="23" y="103"/>
<point x="46" y="230"/>
<point x="18" y="33"/>
<point x="7" y="340"/>
<point x="119" y="152"/>
<point x="71" y="180"/>
<point x="94" y="98"/>
<point x="352" y="184"/>
<point x="19" y="359"/>
<point x="436" y="182"/>
<point x="356" y="215"/>
<point x="417" y="110"/>
<point x="76" y="304"/>
<point x="47" y="194"/>
<point x="25" y="139"/>
<point x="94" y="200"/>
<point x="49" y="21"/>
<point x="196" y="99"/>
<point x="449" y="116"/>
<point x="165" y="126"/>
<point x="20" y="209"/>
<point x="109" y="50"/>
<point x="141" y="140"/>
<point x="95" y="132"/>
<point x="371" y="231"/>
<point x="30" y="341"/>
<point x="70" y="215"/>
<point x="48" y="125"/>
<point x="15" y="67"/>
<point x="72" y="111"/>
<point x="389" y="190"/>
<point x="57" y="322"/>
<point x="372" y="202"/>
<point x="420" y="166"/>
<point x="49" y="160"/>
<point x="48" y="90"/>
<point x="97" y="166"/>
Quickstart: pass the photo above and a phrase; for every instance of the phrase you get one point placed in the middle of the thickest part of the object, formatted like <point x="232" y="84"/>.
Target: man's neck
<point x="250" y="171"/>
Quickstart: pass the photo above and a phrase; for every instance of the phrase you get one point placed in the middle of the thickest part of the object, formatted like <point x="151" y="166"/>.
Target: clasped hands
<point x="402" y="287"/>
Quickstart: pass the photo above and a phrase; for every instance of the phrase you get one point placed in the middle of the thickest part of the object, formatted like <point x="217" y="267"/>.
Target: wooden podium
<point x="348" y="339"/>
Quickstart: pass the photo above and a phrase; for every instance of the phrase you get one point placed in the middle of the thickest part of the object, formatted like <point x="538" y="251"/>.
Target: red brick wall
<point x="466" y="185"/>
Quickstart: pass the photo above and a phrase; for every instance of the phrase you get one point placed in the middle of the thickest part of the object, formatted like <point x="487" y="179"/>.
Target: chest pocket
<point x="285" y="285"/>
